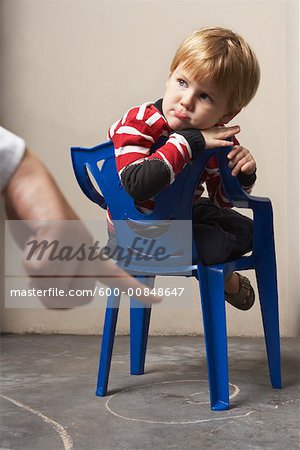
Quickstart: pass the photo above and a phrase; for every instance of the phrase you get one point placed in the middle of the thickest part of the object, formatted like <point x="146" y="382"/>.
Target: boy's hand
<point x="216" y="136"/>
<point x="241" y="160"/>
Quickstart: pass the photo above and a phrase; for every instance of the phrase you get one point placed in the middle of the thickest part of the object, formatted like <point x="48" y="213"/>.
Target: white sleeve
<point x="12" y="149"/>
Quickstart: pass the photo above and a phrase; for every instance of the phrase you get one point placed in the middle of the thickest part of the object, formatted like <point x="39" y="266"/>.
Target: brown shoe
<point x="244" y="299"/>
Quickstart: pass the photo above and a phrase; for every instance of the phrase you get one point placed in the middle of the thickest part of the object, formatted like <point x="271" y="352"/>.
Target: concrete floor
<point x="48" y="402"/>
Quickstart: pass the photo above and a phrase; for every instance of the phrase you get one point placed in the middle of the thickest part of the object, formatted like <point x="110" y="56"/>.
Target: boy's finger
<point x="239" y="157"/>
<point x="246" y="166"/>
<point x="232" y="127"/>
<point x="234" y="163"/>
<point x="235" y="151"/>
<point x="235" y="159"/>
<point x="238" y="167"/>
<point x="229" y="132"/>
<point x="220" y="143"/>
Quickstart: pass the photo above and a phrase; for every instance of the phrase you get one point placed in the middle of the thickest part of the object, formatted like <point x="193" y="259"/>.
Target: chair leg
<point x="109" y="329"/>
<point x="211" y="282"/>
<point x="139" y="328"/>
<point x="268" y="295"/>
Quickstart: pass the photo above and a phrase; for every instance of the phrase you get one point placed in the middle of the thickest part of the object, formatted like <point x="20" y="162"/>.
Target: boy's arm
<point x="143" y="174"/>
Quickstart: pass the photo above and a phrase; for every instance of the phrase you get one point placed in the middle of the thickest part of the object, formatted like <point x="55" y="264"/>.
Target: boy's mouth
<point x="180" y="115"/>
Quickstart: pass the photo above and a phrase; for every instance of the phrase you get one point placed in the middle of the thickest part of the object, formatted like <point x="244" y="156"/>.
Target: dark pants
<point x="221" y="234"/>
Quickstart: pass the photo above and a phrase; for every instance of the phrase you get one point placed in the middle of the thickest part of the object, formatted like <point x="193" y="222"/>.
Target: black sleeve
<point x="246" y="180"/>
<point x="143" y="181"/>
<point x="195" y="139"/>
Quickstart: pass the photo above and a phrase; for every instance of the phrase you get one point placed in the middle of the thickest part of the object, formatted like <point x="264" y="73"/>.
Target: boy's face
<point x="189" y="104"/>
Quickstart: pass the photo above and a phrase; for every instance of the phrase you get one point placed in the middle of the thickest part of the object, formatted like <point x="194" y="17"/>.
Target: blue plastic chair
<point x="175" y="202"/>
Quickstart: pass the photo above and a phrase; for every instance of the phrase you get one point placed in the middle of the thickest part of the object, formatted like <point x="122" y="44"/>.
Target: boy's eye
<point x="182" y="83"/>
<point x="205" y="97"/>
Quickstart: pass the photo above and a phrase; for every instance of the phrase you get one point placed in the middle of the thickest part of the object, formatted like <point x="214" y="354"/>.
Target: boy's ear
<point x="229" y="116"/>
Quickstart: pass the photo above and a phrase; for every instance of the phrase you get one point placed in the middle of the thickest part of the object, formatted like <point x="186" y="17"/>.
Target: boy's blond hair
<point x="225" y="57"/>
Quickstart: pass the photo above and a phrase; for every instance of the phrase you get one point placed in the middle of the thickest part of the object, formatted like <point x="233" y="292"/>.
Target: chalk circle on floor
<point x="177" y="402"/>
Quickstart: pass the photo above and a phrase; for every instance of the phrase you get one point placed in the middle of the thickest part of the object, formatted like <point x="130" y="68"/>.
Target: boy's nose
<point x="187" y="100"/>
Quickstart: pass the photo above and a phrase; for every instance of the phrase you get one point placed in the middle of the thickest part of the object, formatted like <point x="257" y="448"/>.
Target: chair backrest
<point x="174" y="203"/>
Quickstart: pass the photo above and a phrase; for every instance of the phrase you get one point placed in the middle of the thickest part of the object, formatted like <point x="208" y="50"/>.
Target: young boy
<point x="213" y="75"/>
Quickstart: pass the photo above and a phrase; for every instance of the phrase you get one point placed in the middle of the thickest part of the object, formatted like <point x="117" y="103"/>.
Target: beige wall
<point x="71" y="68"/>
